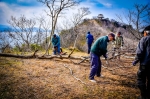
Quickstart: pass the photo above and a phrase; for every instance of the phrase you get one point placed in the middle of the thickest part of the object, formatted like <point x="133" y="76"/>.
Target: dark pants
<point x="89" y="47"/>
<point x="144" y="81"/>
<point x="95" y="66"/>
<point x="57" y="50"/>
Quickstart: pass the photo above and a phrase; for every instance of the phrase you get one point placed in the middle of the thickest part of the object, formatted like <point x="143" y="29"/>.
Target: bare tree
<point x="71" y="33"/>
<point x="77" y="19"/>
<point x="137" y="19"/>
<point x="56" y="7"/>
<point x="71" y="26"/>
<point x="41" y="36"/>
<point x="23" y="29"/>
<point x="4" y="41"/>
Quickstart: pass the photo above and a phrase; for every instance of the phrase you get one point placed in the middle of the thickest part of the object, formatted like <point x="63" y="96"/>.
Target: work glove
<point x="135" y="62"/>
<point x="105" y="56"/>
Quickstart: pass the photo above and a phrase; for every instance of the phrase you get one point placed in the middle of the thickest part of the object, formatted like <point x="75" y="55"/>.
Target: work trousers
<point x="89" y="47"/>
<point x="95" y="63"/>
<point x="57" y="51"/>
<point x="143" y="80"/>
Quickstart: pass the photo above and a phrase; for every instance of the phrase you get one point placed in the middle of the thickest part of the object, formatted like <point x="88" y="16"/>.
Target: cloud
<point x="95" y="10"/>
<point x="5" y="13"/>
<point x="106" y="9"/>
<point x="107" y="5"/>
<point x="8" y="10"/>
<point x="100" y="7"/>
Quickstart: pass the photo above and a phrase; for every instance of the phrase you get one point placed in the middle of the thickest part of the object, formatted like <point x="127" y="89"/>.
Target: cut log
<point x="19" y="56"/>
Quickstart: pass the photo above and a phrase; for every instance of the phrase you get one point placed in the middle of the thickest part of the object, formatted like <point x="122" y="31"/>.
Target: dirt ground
<point x="61" y="79"/>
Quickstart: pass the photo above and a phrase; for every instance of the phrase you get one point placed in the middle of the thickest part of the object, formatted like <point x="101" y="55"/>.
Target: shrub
<point x="35" y="47"/>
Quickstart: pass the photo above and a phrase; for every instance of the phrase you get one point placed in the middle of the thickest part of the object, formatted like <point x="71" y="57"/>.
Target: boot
<point x="140" y="97"/>
<point x="143" y="92"/>
<point x="148" y="94"/>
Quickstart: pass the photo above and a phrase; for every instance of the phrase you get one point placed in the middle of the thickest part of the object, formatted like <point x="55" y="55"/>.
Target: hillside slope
<point x="97" y="28"/>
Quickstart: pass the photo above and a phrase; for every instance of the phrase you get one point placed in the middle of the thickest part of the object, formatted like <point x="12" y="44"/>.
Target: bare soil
<point x="53" y="79"/>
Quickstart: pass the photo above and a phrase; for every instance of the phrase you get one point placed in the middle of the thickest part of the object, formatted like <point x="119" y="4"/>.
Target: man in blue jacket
<point x="56" y="44"/>
<point x="90" y="39"/>
<point x="143" y="56"/>
<point x="98" y="49"/>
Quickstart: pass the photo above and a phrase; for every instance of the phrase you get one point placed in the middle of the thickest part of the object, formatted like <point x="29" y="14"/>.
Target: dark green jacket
<point x="56" y="41"/>
<point x="100" y="46"/>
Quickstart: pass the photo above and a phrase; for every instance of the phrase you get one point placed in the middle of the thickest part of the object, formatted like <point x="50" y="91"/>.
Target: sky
<point x="32" y="8"/>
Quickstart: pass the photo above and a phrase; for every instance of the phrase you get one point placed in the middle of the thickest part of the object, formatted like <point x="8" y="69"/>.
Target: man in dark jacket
<point x="90" y="39"/>
<point x="143" y="56"/>
<point x="98" y="49"/>
<point x="56" y="44"/>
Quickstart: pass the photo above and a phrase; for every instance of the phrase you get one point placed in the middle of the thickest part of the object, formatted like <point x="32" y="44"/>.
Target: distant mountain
<point x="6" y="27"/>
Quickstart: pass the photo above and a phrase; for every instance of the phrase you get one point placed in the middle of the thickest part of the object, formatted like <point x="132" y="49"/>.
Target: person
<point x="98" y="49"/>
<point x="118" y="44"/>
<point x="143" y="56"/>
<point x="56" y="44"/>
<point x="90" y="39"/>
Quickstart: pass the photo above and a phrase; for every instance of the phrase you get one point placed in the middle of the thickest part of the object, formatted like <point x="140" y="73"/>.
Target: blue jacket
<point x="89" y="38"/>
<point x="143" y="51"/>
<point x="100" y="46"/>
<point x="56" y="41"/>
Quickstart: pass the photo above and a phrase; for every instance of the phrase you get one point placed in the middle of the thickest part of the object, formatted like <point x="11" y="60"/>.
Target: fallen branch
<point x="115" y="56"/>
<point x="19" y="56"/>
<point x="40" y="57"/>
<point x="73" y="75"/>
<point x="71" y="52"/>
<point x="83" y="59"/>
<point x="64" y="53"/>
<point x="59" y="57"/>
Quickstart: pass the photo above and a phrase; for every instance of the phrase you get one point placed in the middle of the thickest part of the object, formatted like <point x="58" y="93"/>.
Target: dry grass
<point x="49" y="79"/>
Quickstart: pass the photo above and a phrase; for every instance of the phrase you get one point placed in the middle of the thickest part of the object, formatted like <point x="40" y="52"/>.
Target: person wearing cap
<point x="118" y="44"/>
<point x="56" y="44"/>
<point x="143" y="56"/>
<point x="89" y="39"/>
<point x="98" y="49"/>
